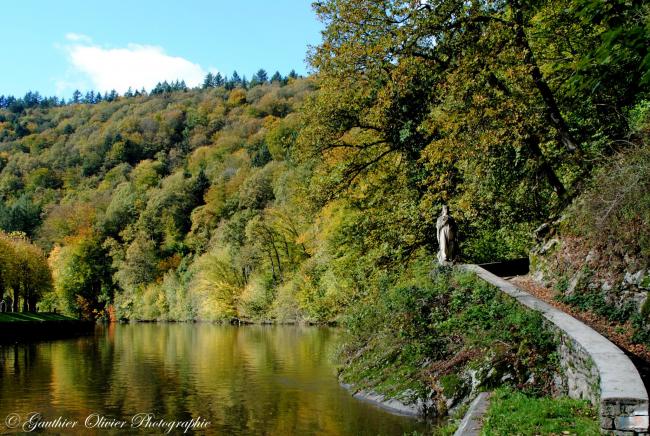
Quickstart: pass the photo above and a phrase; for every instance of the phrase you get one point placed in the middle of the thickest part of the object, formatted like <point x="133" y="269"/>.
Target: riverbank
<point x="393" y="405"/>
<point x="442" y="338"/>
<point x="19" y="326"/>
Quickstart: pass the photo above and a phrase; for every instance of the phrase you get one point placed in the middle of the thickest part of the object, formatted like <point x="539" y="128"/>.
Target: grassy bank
<point x="17" y="317"/>
<point x="514" y="412"/>
<point x="25" y="326"/>
<point x="443" y="336"/>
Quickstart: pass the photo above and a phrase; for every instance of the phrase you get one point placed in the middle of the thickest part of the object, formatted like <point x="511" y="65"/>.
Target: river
<point x="249" y="380"/>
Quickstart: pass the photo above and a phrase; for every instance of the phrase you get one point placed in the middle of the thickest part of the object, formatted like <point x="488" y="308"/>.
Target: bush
<point x="613" y="214"/>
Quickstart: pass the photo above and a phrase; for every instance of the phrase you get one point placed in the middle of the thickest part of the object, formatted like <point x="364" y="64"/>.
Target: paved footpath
<point x="472" y="423"/>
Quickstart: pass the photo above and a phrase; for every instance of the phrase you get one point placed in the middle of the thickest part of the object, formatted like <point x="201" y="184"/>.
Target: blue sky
<point x="56" y="47"/>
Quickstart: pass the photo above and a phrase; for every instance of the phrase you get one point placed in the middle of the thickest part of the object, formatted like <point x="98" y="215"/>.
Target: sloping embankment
<point x="594" y="368"/>
<point x="16" y="326"/>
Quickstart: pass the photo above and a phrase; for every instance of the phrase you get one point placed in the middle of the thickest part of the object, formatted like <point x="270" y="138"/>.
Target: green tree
<point x="218" y="80"/>
<point x="209" y="81"/>
<point x="82" y="276"/>
<point x="276" y="78"/>
<point x="25" y="270"/>
<point x="8" y="267"/>
<point x="76" y="97"/>
<point x="457" y="103"/>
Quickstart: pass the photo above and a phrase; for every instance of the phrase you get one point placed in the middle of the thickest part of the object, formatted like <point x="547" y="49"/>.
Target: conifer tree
<point x="235" y="79"/>
<point x="208" y="82"/>
<point x="218" y="80"/>
<point x="277" y="77"/>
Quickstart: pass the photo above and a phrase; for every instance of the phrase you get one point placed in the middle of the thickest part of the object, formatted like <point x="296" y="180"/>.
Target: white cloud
<point x="134" y="66"/>
<point x="78" y="37"/>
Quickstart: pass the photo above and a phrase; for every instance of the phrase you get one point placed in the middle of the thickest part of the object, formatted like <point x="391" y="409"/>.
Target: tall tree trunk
<point x="32" y="303"/>
<point x="271" y="240"/>
<point x="552" y="109"/>
<point x="546" y="169"/>
<point x="16" y="294"/>
<point x="25" y="299"/>
<point x="270" y="254"/>
<point x="532" y="143"/>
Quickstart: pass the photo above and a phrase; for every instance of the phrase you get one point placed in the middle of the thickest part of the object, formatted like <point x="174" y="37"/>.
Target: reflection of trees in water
<point x="253" y="378"/>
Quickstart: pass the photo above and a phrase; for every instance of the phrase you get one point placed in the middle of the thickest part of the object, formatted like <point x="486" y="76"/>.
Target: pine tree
<point x="235" y="79"/>
<point x="76" y="96"/>
<point x="262" y="76"/>
<point x="277" y="77"/>
<point x="32" y="99"/>
<point x="209" y="81"/>
<point x="218" y="80"/>
<point x="228" y="84"/>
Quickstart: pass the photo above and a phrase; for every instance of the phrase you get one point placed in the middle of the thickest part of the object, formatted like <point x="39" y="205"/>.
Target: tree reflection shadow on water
<point x="272" y="380"/>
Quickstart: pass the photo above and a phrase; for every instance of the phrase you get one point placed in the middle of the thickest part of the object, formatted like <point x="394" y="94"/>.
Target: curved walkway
<point x="472" y="423"/>
<point x="596" y="369"/>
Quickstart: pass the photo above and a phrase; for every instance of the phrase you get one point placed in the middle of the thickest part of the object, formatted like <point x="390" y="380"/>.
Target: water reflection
<point x="270" y="380"/>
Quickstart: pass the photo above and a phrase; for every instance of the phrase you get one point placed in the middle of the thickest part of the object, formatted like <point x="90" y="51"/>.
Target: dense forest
<point x="291" y="198"/>
<point x="314" y="199"/>
<point x="177" y="205"/>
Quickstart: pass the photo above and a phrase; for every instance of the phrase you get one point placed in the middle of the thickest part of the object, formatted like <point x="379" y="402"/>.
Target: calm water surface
<point x="267" y="380"/>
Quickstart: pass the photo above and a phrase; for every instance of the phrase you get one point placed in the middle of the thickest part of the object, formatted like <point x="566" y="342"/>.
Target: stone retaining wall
<point x="593" y="367"/>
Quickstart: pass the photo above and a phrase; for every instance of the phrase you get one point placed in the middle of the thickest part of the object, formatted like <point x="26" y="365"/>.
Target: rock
<point x="606" y="423"/>
<point x="549" y="245"/>
<point x="542" y="231"/>
<point x="591" y="256"/>
<point x="633" y="279"/>
<point x="538" y="276"/>
<point x="575" y="282"/>
<point x="639" y="299"/>
<point x="474" y="379"/>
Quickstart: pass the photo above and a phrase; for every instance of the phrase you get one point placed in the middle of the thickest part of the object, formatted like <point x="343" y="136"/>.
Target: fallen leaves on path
<point x="620" y="334"/>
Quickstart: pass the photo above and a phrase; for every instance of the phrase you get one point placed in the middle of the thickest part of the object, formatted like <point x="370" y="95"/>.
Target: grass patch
<point x="33" y="317"/>
<point x="514" y="413"/>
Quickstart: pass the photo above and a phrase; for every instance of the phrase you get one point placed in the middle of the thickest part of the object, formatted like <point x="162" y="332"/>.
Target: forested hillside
<point x="293" y="199"/>
<point x="180" y="205"/>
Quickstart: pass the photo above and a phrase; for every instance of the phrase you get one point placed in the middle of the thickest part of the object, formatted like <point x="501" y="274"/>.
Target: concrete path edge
<point x="472" y="422"/>
<point x="623" y="404"/>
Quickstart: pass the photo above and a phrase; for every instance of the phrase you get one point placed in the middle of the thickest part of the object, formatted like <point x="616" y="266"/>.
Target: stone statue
<point x="446" y="232"/>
